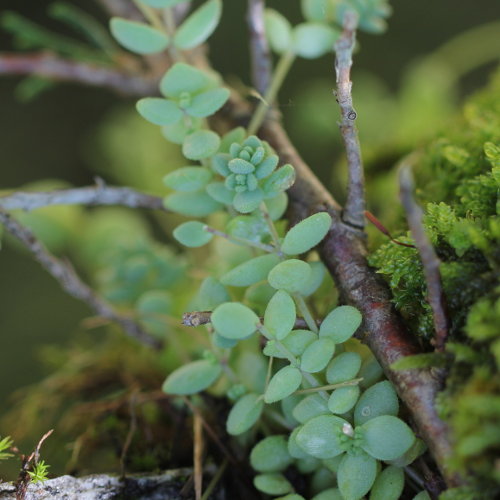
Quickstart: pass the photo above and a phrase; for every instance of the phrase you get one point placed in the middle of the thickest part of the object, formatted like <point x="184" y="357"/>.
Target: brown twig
<point x="259" y="49"/>
<point x="92" y="195"/>
<point x="355" y="204"/>
<point x="198" y="455"/>
<point x="384" y="230"/>
<point x="197" y="318"/>
<point x="428" y="257"/>
<point x="71" y="282"/>
<point x="56" y="68"/>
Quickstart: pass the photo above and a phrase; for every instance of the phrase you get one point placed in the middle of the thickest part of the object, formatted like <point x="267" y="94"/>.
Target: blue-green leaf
<point x="296" y="342"/>
<point x="207" y="103"/>
<point x="279" y="181"/>
<point x="310" y="407"/>
<point x="251" y="271"/>
<point x="277" y="206"/>
<point x="200" y="144"/>
<point x="234" y="320"/>
<point x="317" y="355"/>
<point x="159" y="111"/>
<point x="272" y="484"/>
<point x="306" y="234"/>
<point x="188" y="179"/>
<point x="248" y="201"/>
<point x="289" y="275"/>
<point x="192" y="234"/>
<point x="379" y="399"/>
<point x="199" y="25"/>
<point x="219" y="192"/>
<point x="315" y="279"/>
<point x="161" y="4"/>
<point x="312" y="40"/>
<point x="356" y="475"/>
<point x="181" y="78"/>
<point x="278" y="31"/>
<point x="271" y="455"/>
<point x="192" y="378"/>
<point x="343" y="399"/>
<point x="177" y="132"/>
<point x="283" y="383"/>
<point x="280" y="315"/>
<point x="340" y="324"/>
<point x="389" y="484"/>
<point x="343" y="367"/>
<point x="197" y="204"/>
<point x="210" y="295"/>
<point x="244" y="414"/>
<point x="138" y="37"/>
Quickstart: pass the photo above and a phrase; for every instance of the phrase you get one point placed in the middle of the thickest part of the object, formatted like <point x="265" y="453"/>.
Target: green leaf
<point x="234" y="320"/>
<point x="418" y="361"/>
<point x="271" y="455"/>
<point x="291" y="496"/>
<point x="277" y="206"/>
<point x="192" y="378"/>
<point x="152" y="306"/>
<point x="138" y="37"/>
<point x="371" y="372"/>
<point x="293" y="448"/>
<point x="279" y="181"/>
<point x="177" y="132"/>
<point x="417" y="449"/>
<point x="272" y="484"/>
<point x="219" y="192"/>
<point x="244" y="414"/>
<point x="182" y="77"/>
<point x="249" y="227"/>
<point x="329" y="494"/>
<point x="237" y="135"/>
<point x="280" y="315"/>
<point x="296" y="342"/>
<point x="188" y="179"/>
<point x="199" y="25"/>
<point x="343" y="399"/>
<point x="423" y="495"/>
<point x="210" y="295"/>
<point x="289" y="275"/>
<point x="320" y="436"/>
<point x="386" y="437"/>
<point x="200" y="144"/>
<point x="343" y="367"/>
<point x="315" y="279"/>
<point x="379" y="399"/>
<point x="340" y="324"/>
<point x="207" y="103"/>
<point x="223" y="342"/>
<point x="312" y="40"/>
<point x="310" y="407"/>
<point x="306" y="234"/>
<point x="197" y="204"/>
<point x="278" y="31"/>
<point x="159" y="111"/>
<point x="160" y="4"/>
<point x="318" y="10"/>
<point x="250" y="272"/>
<point x="356" y="475"/>
<point x="248" y="201"/>
<point x="283" y="383"/>
<point x="317" y="355"/>
<point x="389" y="484"/>
<point x="192" y="234"/>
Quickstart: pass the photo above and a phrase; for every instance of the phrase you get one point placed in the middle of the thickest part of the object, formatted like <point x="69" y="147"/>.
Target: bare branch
<point x="56" y="68"/>
<point x="93" y="195"/>
<point x="430" y="260"/>
<point x="259" y="49"/>
<point x="355" y="205"/>
<point x="71" y="282"/>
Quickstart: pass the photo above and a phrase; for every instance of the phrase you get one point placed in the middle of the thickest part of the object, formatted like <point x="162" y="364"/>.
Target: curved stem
<point x="301" y="304"/>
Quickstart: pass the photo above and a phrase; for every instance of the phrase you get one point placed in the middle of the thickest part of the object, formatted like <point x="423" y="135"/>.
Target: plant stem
<point x="242" y="241"/>
<point x="150" y="14"/>
<point x="279" y="74"/>
<point x="272" y="228"/>
<point x="330" y="387"/>
<point x="304" y="310"/>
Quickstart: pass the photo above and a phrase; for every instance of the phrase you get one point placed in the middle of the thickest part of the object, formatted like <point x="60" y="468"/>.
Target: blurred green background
<point x="54" y="136"/>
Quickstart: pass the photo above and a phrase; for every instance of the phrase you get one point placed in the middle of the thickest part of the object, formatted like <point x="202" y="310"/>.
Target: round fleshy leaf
<point x="271" y="455"/>
<point x="234" y="320"/>
<point x="310" y="407"/>
<point x="210" y="295"/>
<point x="320" y="436"/>
<point x="311" y="40"/>
<point x="200" y="144"/>
<point x="289" y="275"/>
<point x="389" y="484"/>
<point x="237" y="135"/>
<point x="219" y="192"/>
<point x="318" y="10"/>
<point x="296" y="342"/>
<point x="188" y="179"/>
<point x="181" y="78"/>
<point x="249" y="227"/>
<point x="248" y="201"/>
<point x="343" y="367"/>
<point x="244" y="414"/>
<point x="199" y="25"/>
<point x="306" y="234"/>
<point x="423" y="495"/>
<point x="278" y="31"/>
<point x="283" y="383"/>
<point x="177" y="132"/>
<point x="317" y="355"/>
<point x="315" y="279"/>
<point x="280" y="315"/>
<point x="272" y="484"/>
<point x="386" y="437"/>
<point x="287" y="406"/>
<point x="223" y="342"/>
<point x="279" y="181"/>
<point x="192" y="378"/>
<point x="291" y="496"/>
<point x="277" y="206"/>
<point x="250" y="272"/>
<point x="379" y="399"/>
<point x="417" y="448"/>
<point x="356" y="475"/>
<point x="161" y="4"/>
<point x="329" y="494"/>
<point x="371" y="372"/>
<point x="293" y="448"/>
<point x="138" y="37"/>
<point x="192" y="234"/>
<point x="152" y="307"/>
<point x="343" y="399"/>
<point x="340" y="324"/>
<point x="159" y="111"/>
<point x="207" y="103"/>
<point x="267" y="166"/>
<point x="198" y="204"/>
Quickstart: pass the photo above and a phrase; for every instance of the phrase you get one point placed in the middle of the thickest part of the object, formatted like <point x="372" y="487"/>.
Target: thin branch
<point x="92" y="195"/>
<point x="428" y="257"/>
<point x="259" y="49"/>
<point x="56" y="68"/>
<point x="198" y="318"/>
<point x="355" y="204"/>
<point x="71" y="282"/>
<point x="198" y="455"/>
